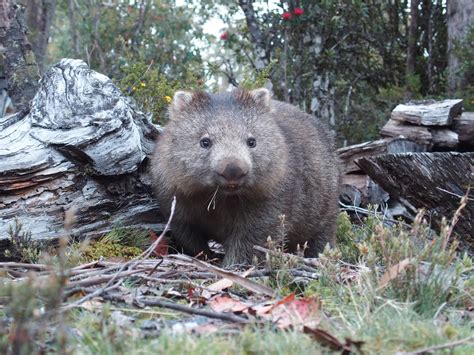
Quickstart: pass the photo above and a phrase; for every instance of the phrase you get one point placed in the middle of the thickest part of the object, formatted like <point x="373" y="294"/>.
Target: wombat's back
<point x="312" y="184"/>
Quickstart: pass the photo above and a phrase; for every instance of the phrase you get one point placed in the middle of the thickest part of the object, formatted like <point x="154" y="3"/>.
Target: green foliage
<point x="121" y="33"/>
<point x="29" y="304"/>
<point x="23" y="247"/>
<point x="123" y="243"/>
<point x="424" y="268"/>
<point x="464" y="51"/>
<point x="152" y="89"/>
<point x="258" y="80"/>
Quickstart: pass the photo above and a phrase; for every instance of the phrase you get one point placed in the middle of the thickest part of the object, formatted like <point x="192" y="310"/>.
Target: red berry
<point x="286" y="16"/>
<point x="298" y="11"/>
<point x="224" y="36"/>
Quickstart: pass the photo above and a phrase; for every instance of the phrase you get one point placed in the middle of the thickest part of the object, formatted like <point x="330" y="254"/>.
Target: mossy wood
<point x="82" y="146"/>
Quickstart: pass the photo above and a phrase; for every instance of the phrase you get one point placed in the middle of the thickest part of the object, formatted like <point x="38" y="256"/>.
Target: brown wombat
<point x="236" y="162"/>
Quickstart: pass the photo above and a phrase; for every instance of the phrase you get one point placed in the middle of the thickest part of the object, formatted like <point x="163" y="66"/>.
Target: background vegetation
<point x="349" y="62"/>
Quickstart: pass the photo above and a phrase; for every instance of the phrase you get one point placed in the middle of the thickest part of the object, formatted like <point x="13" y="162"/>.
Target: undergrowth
<point x="392" y="287"/>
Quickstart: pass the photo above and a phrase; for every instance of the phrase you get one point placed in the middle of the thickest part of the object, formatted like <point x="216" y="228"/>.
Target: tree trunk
<point x="460" y="20"/>
<point x="19" y="63"/>
<point x="82" y="147"/>
<point x="39" y="18"/>
<point x="322" y="101"/>
<point x="76" y="46"/>
<point x="411" y="49"/>
<point x="263" y="57"/>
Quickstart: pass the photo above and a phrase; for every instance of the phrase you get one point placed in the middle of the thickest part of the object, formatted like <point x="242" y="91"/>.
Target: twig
<point x="101" y="279"/>
<point x="441" y="346"/>
<point x="455" y="218"/>
<point x="373" y="213"/>
<point x="132" y="263"/>
<point x="39" y="267"/>
<point x="309" y="262"/>
<point x="190" y="310"/>
<point x="242" y="281"/>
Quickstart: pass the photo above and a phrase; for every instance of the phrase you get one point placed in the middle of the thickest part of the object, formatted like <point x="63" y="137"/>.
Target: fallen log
<point x="83" y="147"/>
<point x="464" y="126"/>
<point x="435" y="181"/>
<point x="348" y="155"/>
<point x="428" y="112"/>
<point x="357" y="188"/>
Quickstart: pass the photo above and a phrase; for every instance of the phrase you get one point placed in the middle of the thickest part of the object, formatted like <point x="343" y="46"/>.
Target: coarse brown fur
<point x="234" y="193"/>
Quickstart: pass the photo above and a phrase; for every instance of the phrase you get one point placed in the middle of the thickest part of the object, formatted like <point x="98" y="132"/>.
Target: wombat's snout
<point x="232" y="173"/>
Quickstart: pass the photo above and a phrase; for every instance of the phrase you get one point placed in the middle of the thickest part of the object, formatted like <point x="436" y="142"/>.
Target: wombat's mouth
<point x="231" y="188"/>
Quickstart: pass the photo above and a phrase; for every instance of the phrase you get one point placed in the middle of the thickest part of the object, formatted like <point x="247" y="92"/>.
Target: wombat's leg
<point x="190" y="240"/>
<point x="238" y="250"/>
<point x="316" y="246"/>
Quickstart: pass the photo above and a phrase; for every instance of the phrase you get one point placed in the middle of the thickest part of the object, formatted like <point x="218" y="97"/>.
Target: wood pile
<point x="424" y="159"/>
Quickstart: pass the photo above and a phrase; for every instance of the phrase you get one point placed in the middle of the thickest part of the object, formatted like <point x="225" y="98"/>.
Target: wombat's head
<point x="229" y="143"/>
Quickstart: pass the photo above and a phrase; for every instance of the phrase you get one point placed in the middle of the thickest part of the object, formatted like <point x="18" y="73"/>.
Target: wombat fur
<point x="236" y="162"/>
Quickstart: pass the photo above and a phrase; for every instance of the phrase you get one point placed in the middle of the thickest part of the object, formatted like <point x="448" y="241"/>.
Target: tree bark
<point x="460" y="20"/>
<point x="322" y="99"/>
<point x="39" y="17"/>
<point x="76" y="46"/>
<point x="19" y="63"/>
<point x="263" y="57"/>
<point x="411" y="49"/>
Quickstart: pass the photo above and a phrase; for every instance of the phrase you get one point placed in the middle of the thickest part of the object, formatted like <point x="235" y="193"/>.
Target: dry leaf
<point x="162" y="248"/>
<point x="393" y="272"/>
<point x="326" y="339"/>
<point x="227" y="304"/>
<point x="223" y="284"/>
<point x="290" y="311"/>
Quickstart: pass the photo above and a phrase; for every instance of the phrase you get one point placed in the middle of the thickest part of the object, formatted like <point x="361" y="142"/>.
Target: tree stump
<point x="83" y="147"/>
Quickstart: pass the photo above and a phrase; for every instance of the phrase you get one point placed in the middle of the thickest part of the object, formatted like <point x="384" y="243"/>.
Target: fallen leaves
<point x="285" y="313"/>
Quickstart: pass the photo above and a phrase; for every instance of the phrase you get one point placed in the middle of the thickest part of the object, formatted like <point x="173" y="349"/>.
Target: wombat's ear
<point x="262" y="96"/>
<point x="181" y="100"/>
<point x="187" y="101"/>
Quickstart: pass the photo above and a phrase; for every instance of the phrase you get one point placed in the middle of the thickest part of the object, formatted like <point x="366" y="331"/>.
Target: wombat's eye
<point x="251" y="142"/>
<point x="205" y="143"/>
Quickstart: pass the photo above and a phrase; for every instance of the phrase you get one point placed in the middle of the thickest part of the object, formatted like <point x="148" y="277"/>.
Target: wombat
<point x="238" y="161"/>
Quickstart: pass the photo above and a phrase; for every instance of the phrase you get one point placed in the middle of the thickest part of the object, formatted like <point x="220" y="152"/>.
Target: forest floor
<point x="384" y="289"/>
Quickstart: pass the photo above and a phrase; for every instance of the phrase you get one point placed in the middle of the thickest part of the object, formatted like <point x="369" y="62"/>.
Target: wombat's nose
<point x="233" y="172"/>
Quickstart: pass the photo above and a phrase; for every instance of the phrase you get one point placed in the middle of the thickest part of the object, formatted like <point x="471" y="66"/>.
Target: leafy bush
<point x="152" y="89"/>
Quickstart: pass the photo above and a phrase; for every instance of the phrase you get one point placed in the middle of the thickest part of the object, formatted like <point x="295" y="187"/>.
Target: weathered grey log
<point x="419" y="134"/>
<point x="445" y="138"/>
<point x="430" y="137"/>
<point x="428" y="112"/>
<point x="435" y="181"/>
<point x="81" y="147"/>
<point x="348" y="155"/>
<point x="464" y="126"/>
